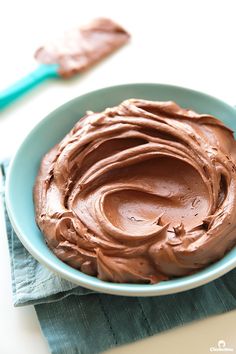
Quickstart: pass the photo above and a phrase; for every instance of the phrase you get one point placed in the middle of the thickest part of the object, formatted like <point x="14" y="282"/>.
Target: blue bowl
<point x="24" y="167"/>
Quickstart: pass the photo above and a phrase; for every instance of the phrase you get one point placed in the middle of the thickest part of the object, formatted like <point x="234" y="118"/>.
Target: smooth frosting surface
<point x="141" y="192"/>
<point x="80" y="48"/>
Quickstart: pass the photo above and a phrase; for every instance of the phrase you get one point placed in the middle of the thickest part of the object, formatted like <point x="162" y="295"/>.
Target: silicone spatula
<point x="75" y="52"/>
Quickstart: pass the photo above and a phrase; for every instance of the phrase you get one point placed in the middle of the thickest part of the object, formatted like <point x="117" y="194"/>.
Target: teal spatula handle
<point x="27" y="83"/>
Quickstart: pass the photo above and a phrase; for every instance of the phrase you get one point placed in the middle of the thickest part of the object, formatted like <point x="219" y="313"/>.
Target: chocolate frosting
<point x="81" y="48"/>
<point x="139" y="193"/>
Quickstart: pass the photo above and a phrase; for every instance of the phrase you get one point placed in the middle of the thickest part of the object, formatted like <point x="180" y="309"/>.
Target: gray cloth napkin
<point x="75" y="320"/>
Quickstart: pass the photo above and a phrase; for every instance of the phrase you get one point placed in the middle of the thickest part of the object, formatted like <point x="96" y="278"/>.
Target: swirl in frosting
<point x="140" y="193"/>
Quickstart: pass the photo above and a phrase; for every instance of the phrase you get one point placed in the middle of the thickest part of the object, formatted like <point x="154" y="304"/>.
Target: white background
<point x="186" y="43"/>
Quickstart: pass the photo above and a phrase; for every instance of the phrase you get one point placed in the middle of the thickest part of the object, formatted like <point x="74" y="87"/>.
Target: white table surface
<point x="186" y="43"/>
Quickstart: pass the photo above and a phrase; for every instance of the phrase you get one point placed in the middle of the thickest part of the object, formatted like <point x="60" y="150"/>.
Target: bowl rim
<point x="171" y="286"/>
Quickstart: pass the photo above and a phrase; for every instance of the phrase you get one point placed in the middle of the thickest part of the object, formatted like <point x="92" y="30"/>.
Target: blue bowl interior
<point x="51" y="130"/>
